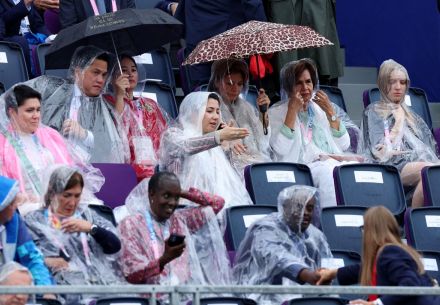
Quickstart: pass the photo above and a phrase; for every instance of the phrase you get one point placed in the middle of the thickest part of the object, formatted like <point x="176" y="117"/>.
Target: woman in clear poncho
<point x="147" y="255"/>
<point x="283" y="244"/>
<point x="308" y="128"/>
<point x="230" y="79"/>
<point x="77" y="243"/>
<point x="142" y="119"/>
<point x="191" y="149"/>
<point x="393" y="134"/>
<point x="28" y="148"/>
<point x="76" y="109"/>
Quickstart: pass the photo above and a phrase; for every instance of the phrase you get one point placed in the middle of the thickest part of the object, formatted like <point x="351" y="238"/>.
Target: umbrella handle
<point x="263" y="108"/>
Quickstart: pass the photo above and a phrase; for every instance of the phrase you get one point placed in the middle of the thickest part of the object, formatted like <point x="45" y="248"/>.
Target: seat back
<point x="12" y="64"/>
<point x="416" y="99"/>
<point x="431" y="262"/>
<point x="123" y="301"/>
<point x="341" y="226"/>
<point x="225" y="301"/>
<point x="41" y="55"/>
<point x="430" y="179"/>
<point x="318" y="301"/>
<point x="422" y="226"/>
<point x="120" y="179"/>
<point x="335" y="95"/>
<point x="264" y="181"/>
<point x="163" y="95"/>
<point x="157" y="66"/>
<point x="369" y="185"/>
<point x="238" y="220"/>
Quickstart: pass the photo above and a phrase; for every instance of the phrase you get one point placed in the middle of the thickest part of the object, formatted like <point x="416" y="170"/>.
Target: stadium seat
<point x="369" y="185"/>
<point x="123" y="301"/>
<point x="335" y="95"/>
<point x="41" y="53"/>
<point x="318" y="301"/>
<point x="251" y="96"/>
<point x="238" y="219"/>
<point x="120" y="179"/>
<point x="422" y="228"/>
<point x="264" y="181"/>
<point x="225" y="301"/>
<point x="431" y="262"/>
<point x="12" y="64"/>
<point x="163" y="95"/>
<point x="341" y="225"/>
<point x="104" y="211"/>
<point x="430" y="180"/>
<point x="157" y="66"/>
<point x="416" y="100"/>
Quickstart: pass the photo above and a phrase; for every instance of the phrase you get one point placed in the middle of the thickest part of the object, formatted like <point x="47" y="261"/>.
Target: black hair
<point x="157" y="178"/>
<point x="19" y="95"/>
<point x="214" y="96"/>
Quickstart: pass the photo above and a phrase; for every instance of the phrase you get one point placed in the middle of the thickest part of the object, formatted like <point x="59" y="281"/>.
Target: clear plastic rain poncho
<point x="29" y="148"/>
<point x="196" y="158"/>
<point x="313" y="135"/>
<point x="204" y="260"/>
<point x="143" y="120"/>
<point x="87" y="122"/>
<point x="6" y="270"/>
<point x="241" y="113"/>
<point x="276" y="247"/>
<point x="392" y="133"/>
<point x="87" y="263"/>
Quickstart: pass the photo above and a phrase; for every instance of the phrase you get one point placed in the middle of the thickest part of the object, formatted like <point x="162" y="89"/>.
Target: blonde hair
<point x="381" y="229"/>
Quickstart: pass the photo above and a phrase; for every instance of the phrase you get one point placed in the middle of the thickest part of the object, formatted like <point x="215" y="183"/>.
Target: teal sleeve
<point x="339" y="133"/>
<point x="287" y="132"/>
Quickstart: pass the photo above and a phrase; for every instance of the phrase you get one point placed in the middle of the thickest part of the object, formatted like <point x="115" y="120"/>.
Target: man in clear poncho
<point x="14" y="274"/>
<point x="230" y="78"/>
<point x="283" y="244"/>
<point x="149" y="257"/>
<point x="394" y="134"/>
<point x="308" y="128"/>
<point x="76" y="109"/>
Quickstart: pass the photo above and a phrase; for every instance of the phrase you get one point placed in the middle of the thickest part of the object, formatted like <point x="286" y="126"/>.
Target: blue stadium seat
<point x="225" y="301"/>
<point x="419" y="102"/>
<point x="422" y="228"/>
<point x="239" y="218"/>
<point x="335" y="95"/>
<point x="264" y="181"/>
<point x="163" y="95"/>
<point x="41" y="53"/>
<point x="341" y="225"/>
<point x="157" y="66"/>
<point x="120" y="179"/>
<point x="431" y="261"/>
<point x="123" y="301"/>
<point x="430" y="180"/>
<point x="369" y="185"/>
<point x="318" y="301"/>
<point x="12" y="64"/>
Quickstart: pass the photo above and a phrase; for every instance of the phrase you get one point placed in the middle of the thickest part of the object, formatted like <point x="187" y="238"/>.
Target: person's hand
<point x="309" y="276"/>
<point x="171" y="253"/>
<point x="72" y="225"/>
<point x="360" y="302"/>
<point x="56" y="263"/>
<point x="322" y="100"/>
<point x="326" y="276"/>
<point x="296" y="104"/>
<point x="47" y="4"/>
<point x="121" y="84"/>
<point x="239" y="148"/>
<point x="230" y="133"/>
<point x="263" y="99"/>
<point x="173" y="7"/>
<point x="72" y="128"/>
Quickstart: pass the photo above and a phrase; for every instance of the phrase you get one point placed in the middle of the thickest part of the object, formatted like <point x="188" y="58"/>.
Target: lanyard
<point x="153" y="236"/>
<point x="310" y="117"/>
<point x="95" y="7"/>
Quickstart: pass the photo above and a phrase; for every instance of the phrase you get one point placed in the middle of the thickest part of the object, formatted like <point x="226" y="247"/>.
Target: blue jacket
<point x="18" y="246"/>
<point x="395" y="267"/>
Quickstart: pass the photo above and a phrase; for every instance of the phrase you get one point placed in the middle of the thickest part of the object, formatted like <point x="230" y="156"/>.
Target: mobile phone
<point x="175" y="240"/>
<point x="220" y="126"/>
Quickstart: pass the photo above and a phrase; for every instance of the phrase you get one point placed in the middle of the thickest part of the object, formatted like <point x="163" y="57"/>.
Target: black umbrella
<point x="128" y="30"/>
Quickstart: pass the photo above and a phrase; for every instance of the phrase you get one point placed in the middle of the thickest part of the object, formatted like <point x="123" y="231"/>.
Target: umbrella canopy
<point x="255" y="37"/>
<point x="132" y="30"/>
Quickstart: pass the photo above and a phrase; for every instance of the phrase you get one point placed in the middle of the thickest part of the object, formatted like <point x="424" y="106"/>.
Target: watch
<point x="93" y="229"/>
<point x="333" y="118"/>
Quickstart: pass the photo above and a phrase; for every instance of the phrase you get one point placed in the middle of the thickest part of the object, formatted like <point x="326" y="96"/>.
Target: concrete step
<point x="359" y="75"/>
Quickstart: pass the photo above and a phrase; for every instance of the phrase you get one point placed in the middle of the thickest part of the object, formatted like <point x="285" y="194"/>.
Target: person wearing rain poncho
<point x="77" y="243"/>
<point x="283" y="244"/>
<point x="307" y="128"/>
<point x="76" y="109"/>
<point x="191" y="149"/>
<point x="28" y="148"/>
<point x="14" y="274"/>
<point x="17" y="243"/>
<point x="230" y="78"/>
<point x="141" y="117"/>
<point x="149" y="255"/>
<point x="393" y="134"/>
